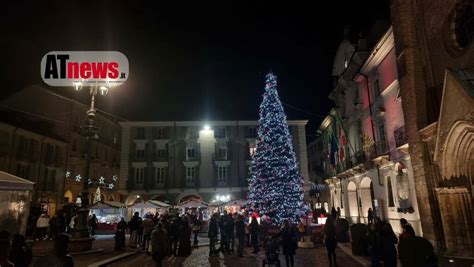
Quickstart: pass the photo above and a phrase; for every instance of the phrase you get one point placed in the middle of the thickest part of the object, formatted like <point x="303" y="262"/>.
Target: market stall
<point x="14" y="202"/>
<point x="149" y="207"/>
<point x="108" y="214"/>
<point x="233" y="206"/>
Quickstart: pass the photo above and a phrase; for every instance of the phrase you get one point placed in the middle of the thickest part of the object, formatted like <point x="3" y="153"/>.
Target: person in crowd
<point x="222" y="223"/>
<point x="42" y="227"/>
<point x="375" y="244"/>
<point x="423" y="255"/>
<point x="370" y="216"/>
<point x="338" y="210"/>
<point x="403" y="222"/>
<point x="330" y="240"/>
<point x="133" y="228"/>
<point x="196" y="228"/>
<point x="334" y="213"/>
<point x="229" y="232"/>
<point x="159" y="244"/>
<point x="212" y="234"/>
<point x="301" y="230"/>
<point x="61" y="225"/>
<point x="72" y="223"/>
<point x="147" y="225"/>
<point x="173" y="235"/>
<point x="140" y="232"/>
<point x="20" y="254"/>
<point x="407" y="231"/>
<point x="247" y="232"/>
<point x="59" y="256"/>
<point x="289" y="243"/>
<point x="4" y="248"/>
<point x="93" y="224"/>
<point x="120" y="234"/>
<point x="254" y="231"/>
<point x="184" y="248"/>
<point x="389" y="240"/>
<point x="240" y="233"/>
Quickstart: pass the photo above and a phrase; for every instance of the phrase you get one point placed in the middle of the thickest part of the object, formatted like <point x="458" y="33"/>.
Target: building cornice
<point x="379" y="52"/>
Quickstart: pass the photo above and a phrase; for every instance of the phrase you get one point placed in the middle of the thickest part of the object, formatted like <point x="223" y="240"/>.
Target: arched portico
<point x="353" y="202"/>
<point x="365" y="194"/>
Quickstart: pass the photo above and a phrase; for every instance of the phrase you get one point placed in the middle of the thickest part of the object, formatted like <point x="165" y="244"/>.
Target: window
<point x="222" y="153"/>
<point x="220" y="132"/>
<point x="190" y="153"/>
<point x="222" y="174"/>
<point x="190" y="175"/>
<point x="140" y="133"/>
<point x="252" y="132"/>
<point x="252" y="149"/>
<point x="139" y="176"/>
<point x="382" y="137"/>
<point x="159" y="175"/>
<point x="390" y="192"/>
<point x="192" y="133"/>
<point x="161" y="153"/>
<point x="24" y="145"/>
<point x="377" y="91"/>
<point x="140" y="153"/>
<point x="464" y="24"/>
<point x="159" y="133"/>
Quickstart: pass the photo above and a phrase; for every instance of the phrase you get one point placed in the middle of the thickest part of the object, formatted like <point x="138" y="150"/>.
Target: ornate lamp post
<point x="81" y="240"/>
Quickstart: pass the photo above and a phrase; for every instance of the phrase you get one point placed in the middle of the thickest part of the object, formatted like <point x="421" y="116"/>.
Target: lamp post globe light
<point x="81" y="240"/>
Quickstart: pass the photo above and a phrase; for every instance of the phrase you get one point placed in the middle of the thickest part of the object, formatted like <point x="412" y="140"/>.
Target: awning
<point x="237" y="202"/>
<point x="108" y="205"/>
<point x="146" y="205"/>
<point x="193" y="204"/>
<point x="11" y="182"/>
<point x="159" y="203"/>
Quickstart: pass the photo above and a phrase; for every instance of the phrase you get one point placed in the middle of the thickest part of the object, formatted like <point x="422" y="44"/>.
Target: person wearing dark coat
<point x="184" y="248"/>
<point x="212" y="233"/>
<point x="374" y="240"/>
<point x="20" y="253"/>
<point x="222" y="224"/>
<point x="229" y="232"/>
<point x="120" y="234"/>
<point x="173" y="236"/>
<point x="289" y="241"/>
<point x="389" y="240"/>
<point x="334" y="213"/>
<point x="416" y="251"/>
<point x="254" y="231"/>
<point x="240" y="234"/>
<point x="159" y="244"/>
<point x="330" y="240"/>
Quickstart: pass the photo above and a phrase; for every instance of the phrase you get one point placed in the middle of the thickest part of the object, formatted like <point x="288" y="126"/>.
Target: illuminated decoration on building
<point x="275" y="184"/>
<point x="101" y="181"/>
<point x="78" y="178"/>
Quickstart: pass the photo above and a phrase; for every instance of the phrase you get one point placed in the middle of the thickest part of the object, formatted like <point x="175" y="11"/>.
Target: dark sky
<point x="194" y="60"/>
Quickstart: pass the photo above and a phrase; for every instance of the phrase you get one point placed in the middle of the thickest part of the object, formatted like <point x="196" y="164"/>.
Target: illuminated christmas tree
<point x="275" y="184"/>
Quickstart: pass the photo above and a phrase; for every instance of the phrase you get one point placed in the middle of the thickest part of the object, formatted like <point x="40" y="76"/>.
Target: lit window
<point x="252" y="149"/>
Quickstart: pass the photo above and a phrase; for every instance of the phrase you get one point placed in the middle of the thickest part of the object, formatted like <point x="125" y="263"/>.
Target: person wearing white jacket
<point x="42" y="226"/>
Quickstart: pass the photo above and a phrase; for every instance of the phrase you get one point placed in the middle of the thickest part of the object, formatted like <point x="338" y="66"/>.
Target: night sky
<point x="201" y="60"/>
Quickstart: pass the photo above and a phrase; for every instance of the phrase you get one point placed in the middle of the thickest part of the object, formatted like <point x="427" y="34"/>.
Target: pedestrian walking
<point x="93" y="224"/>
<point x="240" y="234"/>
<point x="370" y="216"/>
<point x="289" y="242"/>
<point x="133" y="227"/>
<point x="184" y="248"/>
<point x="20" y="253"/>
<point x="229" y="232"/>
<point x="389" y="240"/>
<point x="59" y="256"/>
<point x="147" y="225"/>
<point x="330" y="240"/>
<point x="140" y="232"/>
<point x="159" y="244"/>
<point x="375" y="244"/>
<point x="254" y="231"/>
<point x="338" y="211"/>
<point x="334" y="213"/>
<point x="120" y="234"/>
<point x="4" y="248"/>
<point x="196" y="228"/>
<point x="42" y="227"/>
<point x="53" y="227"/>
<point x="416" y="251"/>
<point x="212" y="234"/>
<point x="222" y="223"/>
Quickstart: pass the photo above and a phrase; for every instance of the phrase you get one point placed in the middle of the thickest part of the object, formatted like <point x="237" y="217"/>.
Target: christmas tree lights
<point x="275" y="184"/>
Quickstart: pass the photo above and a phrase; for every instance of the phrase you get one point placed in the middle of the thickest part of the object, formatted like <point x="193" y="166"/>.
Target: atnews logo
<point x="90" y="68"/>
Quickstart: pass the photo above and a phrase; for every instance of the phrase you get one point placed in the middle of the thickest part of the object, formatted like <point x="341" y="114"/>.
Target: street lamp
<point x="81" y="240"/>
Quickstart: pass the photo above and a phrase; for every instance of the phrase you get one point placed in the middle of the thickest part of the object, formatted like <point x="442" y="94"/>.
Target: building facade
<point x="435" y="59"/>
<point x="53" y="115"/>
<point x="178" y="160"/>
<point x="367" y="161"/>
